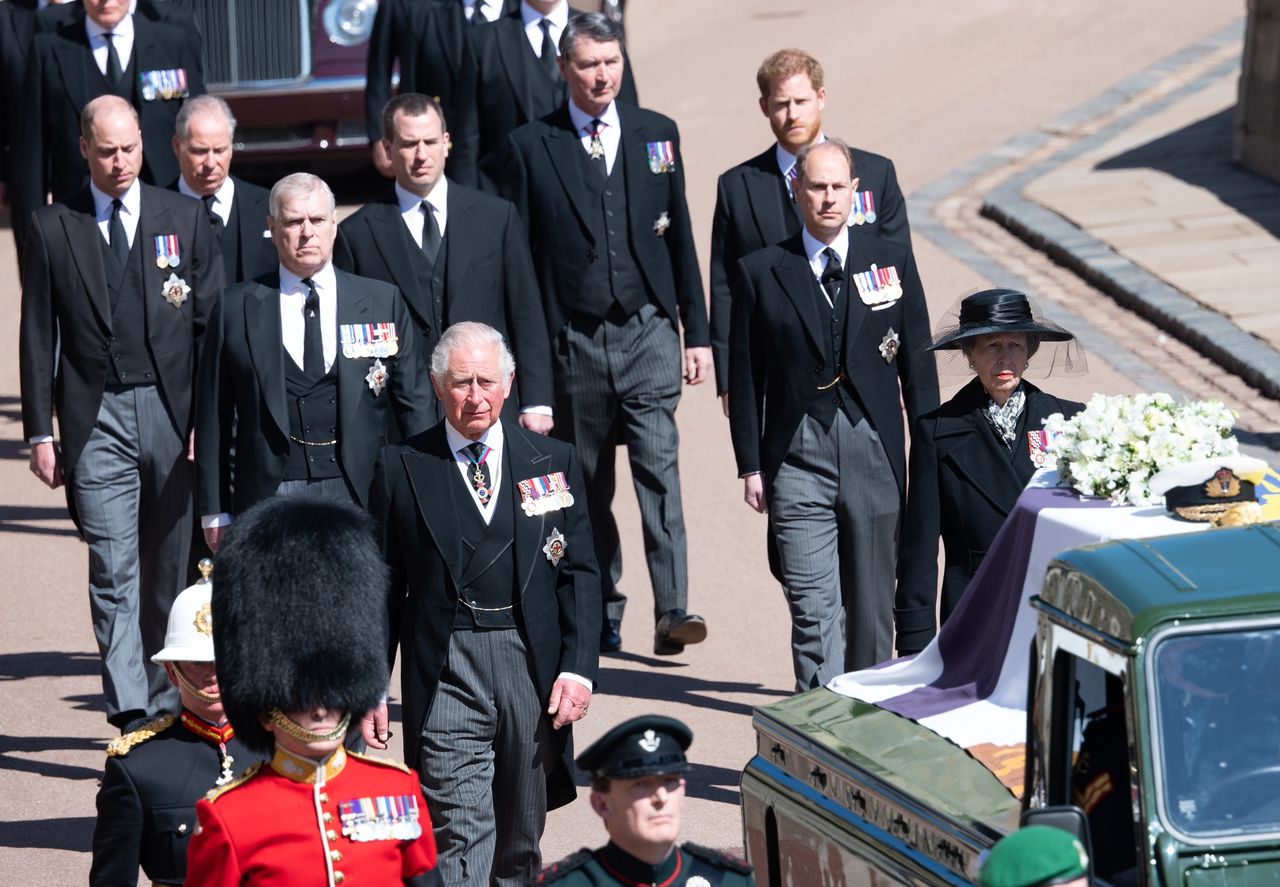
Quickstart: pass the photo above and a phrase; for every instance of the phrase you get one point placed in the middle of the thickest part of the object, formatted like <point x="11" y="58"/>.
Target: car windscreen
<point x="1217" y="704"/>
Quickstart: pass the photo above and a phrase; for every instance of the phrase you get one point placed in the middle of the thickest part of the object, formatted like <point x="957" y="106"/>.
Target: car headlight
<point x="349" y="22"/>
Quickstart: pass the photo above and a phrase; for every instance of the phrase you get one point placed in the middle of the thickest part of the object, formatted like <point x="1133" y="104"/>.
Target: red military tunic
<point x="350" y="820"/>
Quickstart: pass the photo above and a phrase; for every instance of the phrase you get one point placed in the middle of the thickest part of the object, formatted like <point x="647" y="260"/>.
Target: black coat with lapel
<point x="17" y="31"/>
<point x="488" y="278"/>
<point x="544" y="177"/>
<point x="415" y="502"/>
<point x="242" y="423"/>
<point x="248" y="251"/>
<point x="777" y="354"/>
<point x="62" y="78"/>
<point x="502" y="87"/>
<point x="754" y="210"/>
<point x="963" y="484"/>
<point x="66" y="312"/>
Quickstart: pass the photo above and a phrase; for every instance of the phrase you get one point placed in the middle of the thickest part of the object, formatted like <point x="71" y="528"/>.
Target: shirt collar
<point x="300" y="769"/>
<point x="492" y="438"/>
<point x="222" y="197"/>
<point x="559" y="16"/>
<point x="408" y="201"/>
<point x="786" y="159"/>
<point x="324" y="280"/>
<point x="582" y="120"/>
<point x="617" y="861"/>
<point x="813" y="247"/>
<point x="123" y="28"/>
<point x="102" y="201"/>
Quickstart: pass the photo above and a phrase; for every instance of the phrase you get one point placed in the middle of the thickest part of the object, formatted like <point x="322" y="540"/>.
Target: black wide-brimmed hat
<point x="1004" y="311"/>
<point x="299" y="613"/>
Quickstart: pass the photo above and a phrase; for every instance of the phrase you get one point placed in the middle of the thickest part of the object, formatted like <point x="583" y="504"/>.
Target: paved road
<point x="934" y="85"/>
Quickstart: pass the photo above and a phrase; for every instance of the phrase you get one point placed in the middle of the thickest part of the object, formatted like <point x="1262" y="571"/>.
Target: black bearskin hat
<point x="299" y="613"/>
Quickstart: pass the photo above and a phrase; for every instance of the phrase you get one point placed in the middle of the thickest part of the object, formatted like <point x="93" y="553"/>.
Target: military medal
<point x="889" y="346"/>
<point x="870" y="201"/>
<point x="213" y="734"/>
<point x="597" y="146"/>
<point x="878" y="287"/>
<point x="859" y="217"/>
<point x="382" y="818"/>
<point x="662" y="157"/>
<point x="176" y="290"/>
<point x="167" y="254"/>
<point x="359" y="340"/>
<point x="554" y="549"/>
<point x="539" y="495"/>
<point x="1038" y="445"/>
<point x="662" y="224"/>
<point x="376" y="378"/>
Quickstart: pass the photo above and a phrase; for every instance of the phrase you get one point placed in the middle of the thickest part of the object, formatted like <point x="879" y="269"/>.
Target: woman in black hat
<point x="972" y="456"/>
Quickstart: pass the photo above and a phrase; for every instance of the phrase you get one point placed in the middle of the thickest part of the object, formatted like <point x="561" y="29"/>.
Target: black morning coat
<point x="963" y="484"/>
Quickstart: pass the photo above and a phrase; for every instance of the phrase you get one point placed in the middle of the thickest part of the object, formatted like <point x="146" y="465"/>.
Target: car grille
<point x="251" y="41"/>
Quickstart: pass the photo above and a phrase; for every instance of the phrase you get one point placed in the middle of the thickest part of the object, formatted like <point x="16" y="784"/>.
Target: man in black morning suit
<point x="427" y="38"/>
<point x="495" y="604"/>
<point x="510" y="78"/>
<point x="109" y="341"/>
<point x="470" y="261"/>
<point x="820" y="345"/>
<point x="151" y="64"/>
<point x="17" y="31"/>
<point x="203" y="143"/>
<point x="754" y="205"/>
<point x="600" y="185"/>
<point x="306" y="373"/>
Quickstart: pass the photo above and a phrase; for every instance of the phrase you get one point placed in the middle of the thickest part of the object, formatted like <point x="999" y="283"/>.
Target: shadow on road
<point x="10" y="407"/>
<point x="679" y="689"/>
<point x="48" y="664"/>
<point x="52" y="769"/>
<point x="708" y="783"/>
<point x="1200" y="155"/>
<point x="19" y="518"/>
<point x="74" y="834"/>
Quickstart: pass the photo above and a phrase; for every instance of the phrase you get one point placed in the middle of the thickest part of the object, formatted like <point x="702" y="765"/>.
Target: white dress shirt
<point x="559" y="17"/>
<point x="293" y="322"/>
<point x="131" y="205"/>
<point x="492" y="438"/>
<point x="813" y="248"/>
<point x="610" y="136"/>
<point x="123" y="41"/>
<point x="221" y="198"/>
<point x="411" y="208"/>
<point x="489" y="9"/>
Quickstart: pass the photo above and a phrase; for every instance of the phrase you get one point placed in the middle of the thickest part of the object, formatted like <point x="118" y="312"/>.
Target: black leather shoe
<point x="675" y="629"/>
<point x="611" y="636"/>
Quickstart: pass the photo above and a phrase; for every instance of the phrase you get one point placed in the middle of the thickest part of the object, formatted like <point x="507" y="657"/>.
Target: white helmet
<point x="190" y="634"/>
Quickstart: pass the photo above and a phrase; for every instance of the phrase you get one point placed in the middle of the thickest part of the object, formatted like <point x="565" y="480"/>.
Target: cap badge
<point x="650" y="741"/>
<point x="1223" y="485"/>
<point x="554" y="549"/>
<point x="204" y="620"/>
<point x="889" y="346"/>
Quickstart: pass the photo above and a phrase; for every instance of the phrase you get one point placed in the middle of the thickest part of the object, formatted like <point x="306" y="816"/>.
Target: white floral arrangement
<point x="1112" y="447"/>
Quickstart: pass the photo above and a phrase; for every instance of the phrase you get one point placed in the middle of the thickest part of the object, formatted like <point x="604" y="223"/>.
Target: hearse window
<point x="1217" y="701"/>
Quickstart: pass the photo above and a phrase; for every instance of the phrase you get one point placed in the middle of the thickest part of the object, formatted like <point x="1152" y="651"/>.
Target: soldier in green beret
<point x="637" y="788"/>
<point x="1036" y="856"/>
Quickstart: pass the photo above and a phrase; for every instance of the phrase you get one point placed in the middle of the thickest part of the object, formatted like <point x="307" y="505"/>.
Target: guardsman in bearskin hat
<point x="637" y="787"/>
<point x="155" y="775"/>
<point x="302" y="640"/>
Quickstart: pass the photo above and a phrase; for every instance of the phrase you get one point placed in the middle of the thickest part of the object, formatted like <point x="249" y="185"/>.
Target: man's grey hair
<point x="809" y="149"/>
<point x="296" y="185"/>
<point x="470" y="334"/>
<point x="594" y="26"/>
<point x="202" y="104"/>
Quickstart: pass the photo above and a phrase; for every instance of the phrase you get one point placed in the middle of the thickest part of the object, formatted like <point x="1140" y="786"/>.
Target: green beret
<point x="1035" y="856"/>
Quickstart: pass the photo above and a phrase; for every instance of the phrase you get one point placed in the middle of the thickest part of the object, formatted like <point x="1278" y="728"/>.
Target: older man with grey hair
<point x="495" y="605"/>
<point x="305" y="374"/>
<point x="202" y="141"/>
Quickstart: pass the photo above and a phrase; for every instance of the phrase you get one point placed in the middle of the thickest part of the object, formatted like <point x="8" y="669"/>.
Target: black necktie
<point x="598" y="161"/>
<point x="477" y="17"/>
<point x="116" y="235"/>
<point x="479" y="471"/>
<point x="832" y="275"/>
<point x="214" y="219"/>
<point x="312" y="342"/>
<point x="115" y="73"/>
<point x="548" y="54"/>
<point x="431" y="236"/>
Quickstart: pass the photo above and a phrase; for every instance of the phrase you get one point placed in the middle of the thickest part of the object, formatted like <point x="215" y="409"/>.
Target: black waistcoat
<point x="313" y="416"/>
<point x="431" y="281"/>
<point x="613" y="276"/>
<point x="131" y="362"/>
<point x="842" y="394"/>
<point x="229" y="234"/>
<point x="488" y="578"/>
